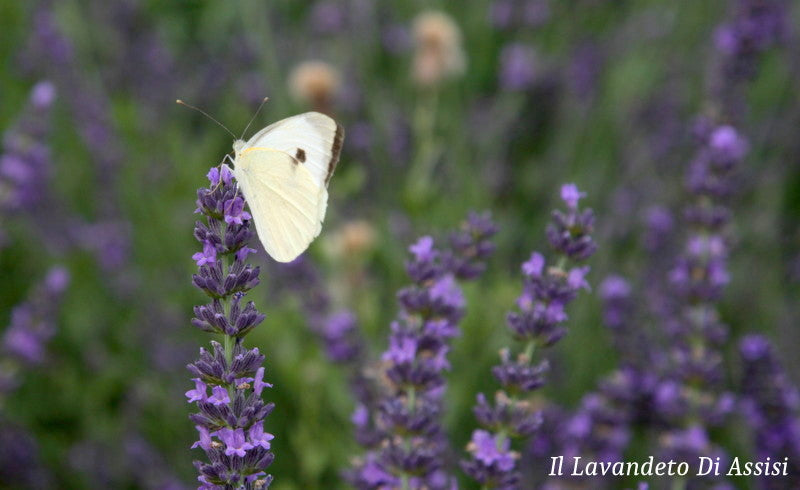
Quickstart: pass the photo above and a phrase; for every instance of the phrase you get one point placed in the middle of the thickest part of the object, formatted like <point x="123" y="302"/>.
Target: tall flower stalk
<point x="230" y="420"/>
<point x="33" y="324"/>
<point x="538" y="322"/>
<point x="771" y="406"/>
<point x="412" y="450"/>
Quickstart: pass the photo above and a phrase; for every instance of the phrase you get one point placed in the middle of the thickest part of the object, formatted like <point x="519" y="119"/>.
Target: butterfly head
<point x="238" y="145"/>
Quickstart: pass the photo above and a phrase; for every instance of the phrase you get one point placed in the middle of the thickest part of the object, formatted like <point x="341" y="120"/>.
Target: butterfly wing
<point x="284" y="200"/>
<point x="312" y="138"/>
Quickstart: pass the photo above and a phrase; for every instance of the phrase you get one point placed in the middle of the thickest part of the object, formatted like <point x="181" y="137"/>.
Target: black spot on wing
<point x="336" y="150"/>
<point x="300" y="155"/>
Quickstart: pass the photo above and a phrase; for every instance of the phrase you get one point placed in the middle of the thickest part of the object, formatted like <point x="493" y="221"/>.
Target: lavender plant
<point x="682" y="392"/>
<point x="770" y="403"/>
<point x="25" y="164"/>
<point x="230" y="420"/>
<point x="33" y="324"/>
<point x="691" y="395"/>
<point x="538" y="323"/>
<point x="412" y="450"/>
<point x="602" y="426"/>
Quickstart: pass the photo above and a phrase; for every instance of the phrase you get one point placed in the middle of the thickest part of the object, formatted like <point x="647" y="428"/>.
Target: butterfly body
<point x="283" y="172"/>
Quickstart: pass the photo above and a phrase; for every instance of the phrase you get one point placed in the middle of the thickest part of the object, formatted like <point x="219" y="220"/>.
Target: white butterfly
<point x="283" y="171"/>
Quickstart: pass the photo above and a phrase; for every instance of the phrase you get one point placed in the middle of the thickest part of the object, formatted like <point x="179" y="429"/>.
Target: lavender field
<point x="561" y="247"/>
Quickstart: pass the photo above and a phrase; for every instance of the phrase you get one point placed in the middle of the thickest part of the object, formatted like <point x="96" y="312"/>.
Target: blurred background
<point x="481" y="106"/>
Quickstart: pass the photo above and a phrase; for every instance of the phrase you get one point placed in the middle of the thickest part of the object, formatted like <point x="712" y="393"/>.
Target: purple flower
<point x="571" y="195"/>
<point x="207" y="256"/>
<point x="339" y="331"/>
<point x="517" y="67"/>
<point x="539" y="322"/>
<point x="43" y="94"/>
<point x="614" y="287"/>
<point x="242" y="253"/>
<point x="226" y="175"/>
<point x="446" y="291"/>
<point x="234" y="211"/>
<point x="728" y="143"/>
<point x="770" y="404"/>
<point x="199" y="392"/>
<point x="616" y="294"/>
<point x="401" y="350"/>
<point x="410" y="445"/>
<point x="33" y="321"/>
<point x="219" y="396"/>
<point x="423" y="250"/>
<point x="327" y="17"/>
<point x="756" y="26"/>
<point x="576" y="278"/>
<point x="234" y="404"/>
<point x="534" y="266"/>
<point x="205" y="438"/>
<point x="21" y="340"/>
<point x="235" y="442"/>
<point x="213" y="176"/>
<point x="570" y="233"/>
<point x="25" y="160"/>
<point x="258" y="382"/>
<point x="488" y="451"/>
<point x="258" y="437"/>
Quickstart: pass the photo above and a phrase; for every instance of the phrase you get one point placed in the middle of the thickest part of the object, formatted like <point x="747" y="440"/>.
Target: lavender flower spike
<point x="228" y="378"/>
<point x="538" y="322"/>
<point x="413" y="447"/>
<point x="32" y="326"/>
<point x="771" y="406"/>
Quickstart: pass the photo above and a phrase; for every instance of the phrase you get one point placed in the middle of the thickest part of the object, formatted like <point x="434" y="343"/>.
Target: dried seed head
<point x="438" y="54"/>
<point x="316" y="83"/>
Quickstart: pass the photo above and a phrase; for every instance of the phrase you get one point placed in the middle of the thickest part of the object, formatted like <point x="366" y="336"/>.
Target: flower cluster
<point x="25" y="161"/>
<point x="32" y="326"/>
<point x="771" y="406"/>
<point x="690" y="398"/>
<point x="538" y="322"/>
<point x="230" y="420"/>
<point x="410" y="454"/>
<point x="756" y="26"/>
<point x="519" y="14"/>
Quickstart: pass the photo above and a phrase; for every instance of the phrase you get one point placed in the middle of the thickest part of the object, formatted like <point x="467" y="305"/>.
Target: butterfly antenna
<point x="201" y="111"/>
<point x="254" y="116"/>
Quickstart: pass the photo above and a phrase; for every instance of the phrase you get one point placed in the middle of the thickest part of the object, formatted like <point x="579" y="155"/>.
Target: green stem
<point x="227" y="340"/>
<point x="529" y="348"/>
<point x="228" y="343"/>
<point x="419" y="176"/>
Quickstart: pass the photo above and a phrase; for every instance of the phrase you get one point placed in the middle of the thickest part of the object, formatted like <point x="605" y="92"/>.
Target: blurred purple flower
<point x="755" y="27"/>
<point x="519" y="14"/>
<point x="517" y="67"/>
<point x="21" y="465"/>
<point x="33" y="321"/>
<point x="396" y="39"/>
<point x="25" y="164"/>
<point x="770" y="404"/>
<point x="570" y="233"/>
<point x="327" y="17"/>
